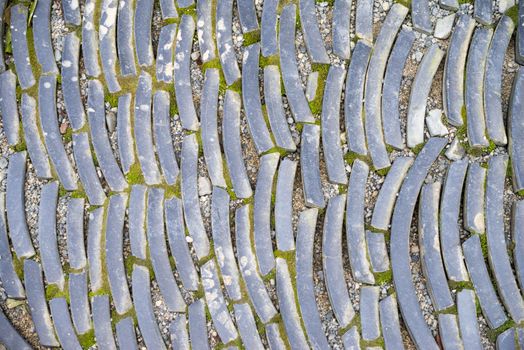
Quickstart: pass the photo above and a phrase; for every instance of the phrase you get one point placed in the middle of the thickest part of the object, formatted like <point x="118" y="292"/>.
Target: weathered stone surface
<point x="312" y="38"/>
<point x="142" y="30"/>
<point x="197" y="325"/>
<point x="125" y="334"/>
<point x="517" y="232"/>
<point x="168" y="9"/>
<point x="23" y="63"/>
<point x="312" y="86"/>
<point x="178" y="333"/>
<point x="449" y="331"/>
<point x="71" y="10"/>
<point x="125" y="37"/>
<point x="184" y="3"/>
<point x="107" y="37"/>
<point x="248" y="15"/>
<point x="247" y="327"/>
<point x="79" y="303"/>
<point x="351" y="339"/>
<point x="377" y="251"/>
<point x="434" y="123"/>
<point x="390" y="323"/>
<point x="369" y="318"/>
<point x="76" y="252"/>
<point x="70" y="83"/>
<point x="451" y="5"/>
<point x="473" y="206"/>
<point x="8" y="108"/>
<point x="136" y="221"/>
<point x="3" y="4"/>
<point x="310" y="166"/>
<point x="63" y="325"/>
<point x="86" y="169"/>
<point x="165" y="52"/>
<point x="516" y="131"/>
<point x="162" y="137"/>
<point x="467" y="317"/>
<point x="90" y="40"/>
<point x="421" y="16"/>
<point x="340" y="26"/>
<point x="9" y="336"/>
<point x="483" y="12"/>
<point x="124" y="135"/>
<point x="455" y="150"/>
<point x="94" y="248"/>
<point x="364" y="20"/>
<point x="226" y="50"/>
<point x="506" y="340"/>
<point x="284" y="205"/>
<point x="444" y="26"/>
<point x="519" y="42"/>
<point x="274" y="338"/>
<point x="102" y="322"/>
<point x="206" y="41"/>
<point x="268" y="33"/>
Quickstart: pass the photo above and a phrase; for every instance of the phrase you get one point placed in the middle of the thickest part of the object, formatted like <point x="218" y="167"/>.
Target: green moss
<point x="383" y="171"/>
<point x="87" y="340"/>
<point x="492" y="334"/>
<point x="416" y="149"/>
<point x="214" y="63"/>
<point x="135" y="176"/>
<point x="190" y="11"/>
<point x="513" y="13"/>
<point x="484" y="244"/>
<point x="406" y="3"/>
<point x="383" y="277"/>
<point x="18" y="265"/>
<point x="449" y="310"/>
<point x="460" y="285"/>
<point x="251" y="37"/>
<point x="68" y="135"/>
<point x="316" y="104"/>
<point x="52" y="291"/>
<point x="273" y="60"/>
<point x="79" y="193"/>
<point x="352" y="156"/>
<point x="116" y="317"/>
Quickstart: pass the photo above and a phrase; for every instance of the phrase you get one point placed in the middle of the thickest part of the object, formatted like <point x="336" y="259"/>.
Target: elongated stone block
<point x="86" y="169"/>
<point x="206" y="41"/>
<point x="284" y="205"/>
<point x="137" y="221"/>
<point x="70" y="83"/>
<point x="63" y="325"/>
<point x="390" y="323"/>
<point x="102" y="322"/>
<point x="312" y="38"/>
<point x="473" y="206"/>
<point x="369" y="318"/>
<point x="124" y="136"/>
<point x="94" y="248"/>
<point x="125" y="37"/>
<point x="79" y="303"/>
<point x="364" y="20"/>
<point x="248" y="15"/>
<point x="247" y="327"/>
<point x="310" y="166"/>
<point x="142" y="30"/>
<point x="274" y="338"/>
<point x="519" y="43"/>
<point x="449" y="331"/>
<point x="197" y="325"/>
<point x="71" y="11"/>
<point x="107" y="38"/>
<point x="516" y="131"/>
<point x="483" y="12"/>
<point x="90" y="40"/>
<point x="10" y="336"/>
<point x="168" y="9"/>
<point x="467" y="316"/>
<point x="268" y="32"/>
<point x="351" y="339"/>
<point x="178" y="333"/>
<point x="23" y="63"/>
<point x="8" y="108"/>
<point x="226" y="50"/>
<point x="76" y="251"/>
<point x="340" y="27"/>
<point x="506" y="340"/>
<point x="421" y="16"/>
<point x="377" y="251"/>
<point x="3" y="4"/>
<point x="517" y="233"/>
<point x="165" y="53"/>
<point x="125" y="334"/>
<point x="162" y="137"/>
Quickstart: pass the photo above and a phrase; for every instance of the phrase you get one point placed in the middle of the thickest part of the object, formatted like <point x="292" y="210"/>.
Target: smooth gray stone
<point x="473" y="207"/>
<point x="9" y="336"/>
<point x="125" y="37"/>
<point x="124" y="135"/>
<point x="419" y="95"/>
<point x="182" y="73"/>
<point x="355" y="231"/>
<point x="71" y="11"/>
<point x="354" y="96"/>
<point x="197" y="325"/>
<point x="519" y="44"/>
<point x="369" y="318"/>
<point x="76" y="252"/>
<point x="449" y="215"/>
<point x="312" y="38"/>
<point x="262" y="212"/>
<point x="248" y="15"/>
<point x="226" y="49"/>
<point x="3" y="4"/>
<point x="288" y="306"/>
<point x="430" y="255"/>
<point x="453" y="81"/>
<point x="351" y="339"/>
<point x="137" y="221"/>
<point x="332" y="261"/>
<point x="451" y="5"/>
<point x="520" y="336"/>
<point x="208" y="117"/>
<point x="79" y="302"/>
<point x="52" y="137"/>
<point x="189" y="186"/>
<point x="475" y="68"/>
<point x="493" y="79"/>
<point x="162" y="136"/>
<point x="506" y="340"/>
<point x="284" y="205"/>
<point x="143" y="131"/>
<point x="178" y="244"/>
<point x="107" y="37"/>
<point x="310" y="166"/>
<point x="21" y="58"/>
<point x="288" y="63"/>
<point x="497" y="251"/>
<point x="142" y="31"/>
<point x="94" y="248"/>
<point x="144" y="309"/>
<point x="8" y="108"/>
<point x="251" y="97"/>
<point x="275" y="109"/>
<point x="449" y="332"/>
<point x="340" y="26"/>
<point x="125" y="334"/>
<point x="206" y="42"/>
<point x="364" y="20"/>
<point x="102" y="322"/>
<point x="168" y="9"/>
<point x="90" y="40"/>
<point x="86" y="169"/>
<point x="248" y="267"/>
<point x="467" y="317"/>
<point x="388" y="193"/>
<point x="223" y="247"/>
<point x="421" y="16"/>
<point x="517" y="234"/>
<point x="483" y="12"/>
<point x="330" y="121"/>
<point x="63" y="326"/>
<point x="178" y="333"/>
<point x="274" y="339"/>
<point x="100" y="137"/>
<point x="516" y="131"/>
<point x="399" y="243"/>
<point x="47" y="236"/>
<point x="35" y="146"/>
<point x="114" y="249"/>
<point x="184" y="3"/>
<point x="247" y="327"/>
<point x="268" y="33"/>
<point x="233" y="146"/>
<point x="165" y="52"/>
<point x="70" y="83"/>
<point x="391" y="88"/>
<point x="377" y="251"/>
<point x="159" y="256"/>
<point x="304" y="279"/>
<point x="484" y="289"/>
<point x="216" y="303"/>
<point x="390" y="324"/>
<point x="15" y="203"/>
<point x="36" y="299"/>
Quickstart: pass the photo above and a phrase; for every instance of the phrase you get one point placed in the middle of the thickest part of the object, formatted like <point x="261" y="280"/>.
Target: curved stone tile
<point x="36" y="299"/>
<point x="125" y="334"/>
<point x="168" y="9"/>
<point x="100" y="138"/>
<point x="262" y="212"/>
<point x="79" y="302"/>
<point x="364" y="20"/>
<point x="35" y="146"/>
<point x="274" y="339"/>
<point x="419" y="95"/>
<point x="90" y="40"/>
<point x="354" y="95"/>
<point x="284" y="205"/>
<point x="369" y="318"/>
<point x="400" y="261"/>
<point x="506" y="340"/>
<point x="275" y="109"/>
<point x="312" y="38"/>
<point x="483" y="12"/>
<point x="340" y="27"/>
<point x="453" y="81"/>
<point x="23" y="64"/>
<point x="332" y="261"/>
<point x="178" y="244"/>
<point x="63" y="325"/>
<point x="391" y="88"/>
<point x="178" y="333"/>
<point x="247" y="327"/>
<point x="497" y="253"/>
<point x="205" y="33"/>
<point x="216" y="303"/>
<point x="226" y="50"/>
<point x="76" y="252"/>
<point x="159" y="256"/>
<point x="3" y="4"/>
<point x="124" y="135"/>
<point x="102" y="322"/>
<point x="165" y="53"/>
<point x="10" y="336"/>
<point x="52" y="137"/>
<point x="107" y="38"/>
<point x="70" y="85"/>
<point x="467" y="317"/>
<point x="189" y="186"/>
<point x="516" y="131"/>
<point x="288" y="63"/>
<point x="421" y="16"/>
<point x="377" y="251"/>
<point x="248" y="267"/>
<point x="268" y="33"/>
<point x="125" y="37"/>
<point x="86" y="169"/>
<point x="8" y="108"/>
<point x="430" y="255"/>
<point x="248" y="15"/>
<point x="144" y="308"/>
<point x="473" y="207"/>
<point x="493" y="79"/>
<point x="449" y="331"/>
<point x="137" y="221"/>
<point x="517" y="233"/>
<point x="94" y="248"/>
<point x="162" y="136"/>
<point x="449" y="215"/>
<point x="142" y="31"/>
<point x="197" y="325"/>
<point x="351" y="339"/>
<point x="310" y="166"/>
<point x="390" y="323"/>
<point x="71" y="11"/>
<point x="519" y="44"/>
